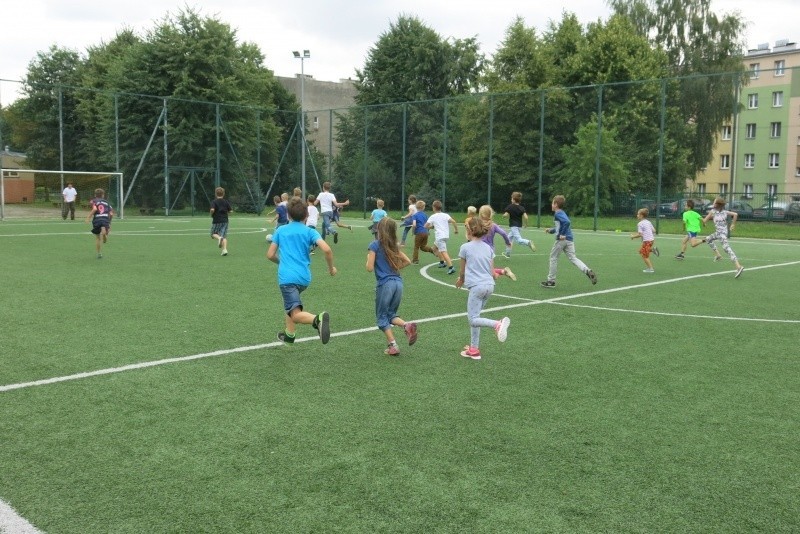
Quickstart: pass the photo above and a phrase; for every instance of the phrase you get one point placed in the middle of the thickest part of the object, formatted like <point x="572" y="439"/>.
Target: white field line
<point x="225" y="352"/>
<point x="191" y="232"/>
<point x="12" y="523"/>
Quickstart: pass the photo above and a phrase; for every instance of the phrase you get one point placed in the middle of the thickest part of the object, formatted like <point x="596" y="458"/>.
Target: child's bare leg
<point x="298" y="316"/>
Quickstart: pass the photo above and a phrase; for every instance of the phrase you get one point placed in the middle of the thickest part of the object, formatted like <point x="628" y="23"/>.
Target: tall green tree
<point x="401" y="88"/>
<point x="577" y="176"/>
<point x="48" y="109"/>
<point x="193" y="62"/>
<point x="696" y="41"/>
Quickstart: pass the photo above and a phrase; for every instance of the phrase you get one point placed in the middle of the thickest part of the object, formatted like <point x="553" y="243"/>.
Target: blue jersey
<point x="283" y="213"/>
<point x="420" y="218"/>
<point x="294" y="241"/>
<point x="383" y="269"/>
<point x="378" y="214"/>
<point x="563" y="226"/>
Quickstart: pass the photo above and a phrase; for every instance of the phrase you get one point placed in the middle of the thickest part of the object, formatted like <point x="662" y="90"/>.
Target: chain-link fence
<point x="609" y="148"/>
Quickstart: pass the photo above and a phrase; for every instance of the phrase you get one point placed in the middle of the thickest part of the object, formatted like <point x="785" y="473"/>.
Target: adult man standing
<point x="69" y="193"/>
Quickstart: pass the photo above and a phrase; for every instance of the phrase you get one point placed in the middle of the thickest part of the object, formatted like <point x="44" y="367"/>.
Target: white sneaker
<point x="224" y="251"/>
<point x="648" y="271"/>
<point x="502" y="329"/>
<point x="533" y="247"/>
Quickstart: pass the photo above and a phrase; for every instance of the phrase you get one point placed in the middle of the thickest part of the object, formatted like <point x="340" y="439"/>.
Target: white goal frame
<point x="116" y="203"/>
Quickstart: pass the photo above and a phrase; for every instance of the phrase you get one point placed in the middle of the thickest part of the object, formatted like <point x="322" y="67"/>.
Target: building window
<point x="725" y="161"/>
<point x="749" y="161"/>
<point x="774" y="129"/>
<point x="701" y="189"/>
<point x="748" y="190"/>
<point x="315" y="123"/>
<point x="777" y="99"/>
<point x="772" y="190"/>
<point x="750" y="131"/>
<point x="726" y="133"/>
<point x="797" y="171"/>
<point x="754" y="67"/>
<point x="752" y="101"/>
<point x="774" y="160"/>
<point x="723" y="189"/>
<point x="780" y="67"/>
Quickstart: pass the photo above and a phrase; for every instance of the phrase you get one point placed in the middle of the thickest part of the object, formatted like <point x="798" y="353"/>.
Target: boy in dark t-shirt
<point x="220" y="208"/>
<point x="100" y="215"/>
<point x="515" y="212"/>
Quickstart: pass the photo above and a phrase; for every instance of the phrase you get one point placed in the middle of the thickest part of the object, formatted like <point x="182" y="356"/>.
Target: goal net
<point x="29" y="193"/>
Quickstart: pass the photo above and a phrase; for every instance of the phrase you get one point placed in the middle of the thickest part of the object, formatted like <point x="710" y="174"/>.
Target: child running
<point x="407" y="223"/>
<point x="646" y="231"/>
<point x="564" y="243"/>
<point x="516" y="214"/>
<point x="418" y="221"/>
<point x="440" y="222"/>
<point x="100" y="215"/>
<point x="377" y="214"/>
<point x="478" y="275"/>
<point x="472" y="211"/>
<point x="720" y="216"/>
<point x="691" y="224"/>
<point x="294" y="240"/>
<point x="486" y="216"/>
<point x="385" y="259"/>
<point x="220" y="208"/>
<point x="313" y="216"/>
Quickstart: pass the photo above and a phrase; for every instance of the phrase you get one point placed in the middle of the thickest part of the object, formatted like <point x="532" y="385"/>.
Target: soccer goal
<point x="30" y="193"/>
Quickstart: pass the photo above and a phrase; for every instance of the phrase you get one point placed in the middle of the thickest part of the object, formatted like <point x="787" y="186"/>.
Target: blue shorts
<point x="291" y="297"/>
<point x="691" y="234"/>
<point x="221" y="229"/>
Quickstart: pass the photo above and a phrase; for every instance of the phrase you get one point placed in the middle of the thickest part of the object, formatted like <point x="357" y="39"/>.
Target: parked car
<point x="676" y="208"/>
<point x="742" y="208"/>
<point x="778" y="211"/>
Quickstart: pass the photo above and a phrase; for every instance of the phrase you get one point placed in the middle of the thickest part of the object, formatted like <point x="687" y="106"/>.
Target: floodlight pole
<point x="306" y="55"/>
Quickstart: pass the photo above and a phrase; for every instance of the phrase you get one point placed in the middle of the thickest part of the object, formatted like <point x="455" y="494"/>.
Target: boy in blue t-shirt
<point x="294" y="241"/>
<point x="418" y="221"/>
<point x="562" y="228"/>
<point x="377" y="214"/>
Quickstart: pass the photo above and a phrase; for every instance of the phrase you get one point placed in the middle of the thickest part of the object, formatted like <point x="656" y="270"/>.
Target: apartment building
<point x="756" y="154"/>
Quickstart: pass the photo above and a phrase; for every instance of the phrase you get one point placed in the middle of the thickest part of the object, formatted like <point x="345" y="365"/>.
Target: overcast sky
<point x="338" y="34"/>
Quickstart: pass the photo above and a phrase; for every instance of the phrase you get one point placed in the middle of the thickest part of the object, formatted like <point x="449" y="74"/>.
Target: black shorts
<point x="97" y="225"/>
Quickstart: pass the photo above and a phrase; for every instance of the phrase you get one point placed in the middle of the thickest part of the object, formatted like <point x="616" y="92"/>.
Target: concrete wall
<point x="322" y="100"/>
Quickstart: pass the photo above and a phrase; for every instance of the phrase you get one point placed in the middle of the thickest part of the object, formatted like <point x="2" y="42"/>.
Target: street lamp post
<point x="305" y="55"/>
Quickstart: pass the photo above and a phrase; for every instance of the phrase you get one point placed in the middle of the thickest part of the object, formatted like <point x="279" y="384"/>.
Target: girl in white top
<point x="720" y="216"/>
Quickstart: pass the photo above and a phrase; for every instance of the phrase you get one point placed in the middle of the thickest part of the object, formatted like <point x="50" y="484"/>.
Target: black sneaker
<point x="283" y="337"/>
<point x="679" y="256"/>
<point x="324" y="326"/>
<point x="336" y="238"/>
<point x="592" y="276"/>
<point x="549" y="284"/>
